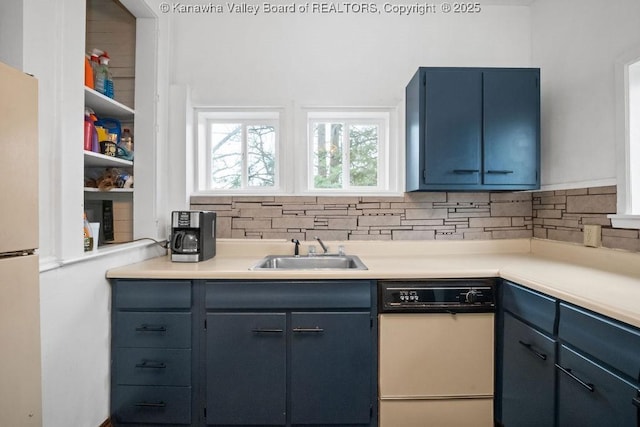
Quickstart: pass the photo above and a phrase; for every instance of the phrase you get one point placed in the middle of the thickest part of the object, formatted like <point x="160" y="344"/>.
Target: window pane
<point x="261" y="146"/>
<point x="226" y="155"/>
<point x="363" y="155"/>
<point x="327" y="155"/>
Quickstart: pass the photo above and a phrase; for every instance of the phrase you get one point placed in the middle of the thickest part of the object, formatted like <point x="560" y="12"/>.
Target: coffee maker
<point x="193" y="235"/>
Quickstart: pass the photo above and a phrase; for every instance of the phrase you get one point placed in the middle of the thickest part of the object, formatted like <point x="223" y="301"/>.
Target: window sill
<point x="625" y="221"/>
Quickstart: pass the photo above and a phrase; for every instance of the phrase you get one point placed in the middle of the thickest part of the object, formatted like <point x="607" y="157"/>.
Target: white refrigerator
<point x="20" y="367"/>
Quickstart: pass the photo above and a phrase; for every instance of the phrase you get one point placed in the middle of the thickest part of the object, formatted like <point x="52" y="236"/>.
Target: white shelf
<point x="113" y="190"/>
<point x="105" y="106"/>
<point x="93" y="160"/>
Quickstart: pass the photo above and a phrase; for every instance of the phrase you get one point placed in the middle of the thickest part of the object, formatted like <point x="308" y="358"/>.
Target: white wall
<point x="11" y="13"/>
<point x="76" y="334"/>
<point x="349" y="59"/>
<point x="576" y="44"/>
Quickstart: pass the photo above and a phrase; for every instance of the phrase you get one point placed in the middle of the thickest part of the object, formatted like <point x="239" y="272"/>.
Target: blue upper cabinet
<point x="473" y="129"/>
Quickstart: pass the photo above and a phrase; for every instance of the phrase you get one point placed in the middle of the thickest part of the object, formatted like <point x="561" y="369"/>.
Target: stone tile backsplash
<point x="561" y="215"/>
<point x="413" y="216"/>
<point x="556" y="215"/>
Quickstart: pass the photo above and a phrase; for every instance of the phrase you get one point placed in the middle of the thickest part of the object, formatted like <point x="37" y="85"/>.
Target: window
<point x="628" y="123"/>
<point x="238" y="151"/>
<point x="347" y="151"/>
<point x="247" y="151"/>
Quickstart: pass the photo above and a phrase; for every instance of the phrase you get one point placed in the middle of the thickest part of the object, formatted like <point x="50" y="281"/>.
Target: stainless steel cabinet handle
<point x="267" y="331"/>
<point x="151" y="328"/>
<point x="151" y="365"/>
<point x="636" y="401"/>
<point x="532" y="350"/>
<point x="316" y="330"/>
<point x="499" y="172"/>
<point x="568" y="372"/>
<point x="160" y="404"/>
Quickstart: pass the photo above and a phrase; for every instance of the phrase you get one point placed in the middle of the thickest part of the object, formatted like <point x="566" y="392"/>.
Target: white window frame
<point x="205" y="117"/>
<point x="628" y="141"/>
<point x="389" y="155"/>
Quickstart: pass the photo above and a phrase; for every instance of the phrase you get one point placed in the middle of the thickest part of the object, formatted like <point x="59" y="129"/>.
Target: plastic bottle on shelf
<point x="104" y="78"/>
<point x="98" y="84"/>
<point x="126" y="140"/>
<point x="88" y="73"/>
<point x="88" y="238"/>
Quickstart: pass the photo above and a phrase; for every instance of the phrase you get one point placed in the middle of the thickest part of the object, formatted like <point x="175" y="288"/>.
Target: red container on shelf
<point x="88" y="133"/>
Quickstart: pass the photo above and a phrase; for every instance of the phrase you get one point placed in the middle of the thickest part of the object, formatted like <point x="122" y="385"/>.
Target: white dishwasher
<point x="436" y="355"/>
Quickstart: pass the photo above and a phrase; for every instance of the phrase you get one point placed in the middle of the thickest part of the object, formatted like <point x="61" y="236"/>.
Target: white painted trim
<point x="623" y="155"/>
<point x="625" y="221"/>
<point x="51" y="263"/>
<point x="578" y="184"/>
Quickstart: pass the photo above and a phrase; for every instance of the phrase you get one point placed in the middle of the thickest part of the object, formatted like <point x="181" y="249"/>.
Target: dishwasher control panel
<point x="423" y="296"/>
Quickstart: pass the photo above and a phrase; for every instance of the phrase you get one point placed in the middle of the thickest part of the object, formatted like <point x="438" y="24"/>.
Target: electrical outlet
<point x="592" y="235"/>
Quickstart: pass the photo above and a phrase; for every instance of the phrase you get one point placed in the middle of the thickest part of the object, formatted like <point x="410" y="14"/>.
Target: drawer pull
<point x="267" y="331"/>
<point x="316" y="330"/>
<point x="636" y="401"/>
<point x="160" y="404"/>
<point x="499" y="172"/>
<point x="151" y="328"/>
<point x="532" y="350"/>
<point x="465" y="171"/>
<point x="151" y="365"/>
<point x="568" y="372"/>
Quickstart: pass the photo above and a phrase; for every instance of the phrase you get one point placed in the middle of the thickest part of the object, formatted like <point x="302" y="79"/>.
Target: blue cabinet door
<point x="246" y="369"/>
<point x="453" y="127"/>
<point x="528" y="376"/>
<point x="511" y="105"/>
<point x="331" y="368"/>
<point x="591" y="396"/>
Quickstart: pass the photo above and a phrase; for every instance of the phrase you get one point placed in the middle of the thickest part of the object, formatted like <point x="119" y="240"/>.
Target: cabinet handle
<point x="499" y="172"/>
<point x="160" y="404"/>
<point x="267" y="331"/>
<point x="532" y="350"/>
<point x="636" y="401"/>
<point x="568" y="372"/>
<point x="316" y="330"/>
<point x="151" y="328"/>
<point x="465" y="171"/>
<point x="151" y="365"/>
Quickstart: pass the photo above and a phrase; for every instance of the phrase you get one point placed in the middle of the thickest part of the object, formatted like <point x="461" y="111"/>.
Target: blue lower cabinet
<point x="246" y="368"/>
<point x="152" y="354"/>
<point x="528" y="375"/>
<point x="590" y="395"/>
<point x="331" y="358"/>
<point x="152" y="405"/>
<point x="151" y="366"/>
<point x="282" y="353"/>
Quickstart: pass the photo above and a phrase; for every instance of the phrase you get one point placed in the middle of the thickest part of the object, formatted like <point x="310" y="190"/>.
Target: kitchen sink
<point x="317" y="262"/>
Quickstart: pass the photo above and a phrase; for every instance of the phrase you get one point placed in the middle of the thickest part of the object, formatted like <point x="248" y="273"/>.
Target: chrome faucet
<point x="324" y="248"/>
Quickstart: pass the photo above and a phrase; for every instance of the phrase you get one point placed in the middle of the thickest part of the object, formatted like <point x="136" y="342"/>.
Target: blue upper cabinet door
<point x="453" y="127"/>
<point x="512" y="128"/>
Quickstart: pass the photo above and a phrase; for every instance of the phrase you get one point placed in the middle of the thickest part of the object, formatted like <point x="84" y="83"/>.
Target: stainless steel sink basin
<point x="318" y="262"/>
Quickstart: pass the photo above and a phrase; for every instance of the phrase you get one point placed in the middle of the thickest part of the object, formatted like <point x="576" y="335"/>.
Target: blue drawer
<point x="288" y="295"/>
<point x="612" y="342"/>
<point x="153" y="366"/>
<point x="152" y="404"/>
<point x="534" y="308"/>
<point x="589" y="395"/>
<point x="152" y="329"/>
<point x="152" y="294"/>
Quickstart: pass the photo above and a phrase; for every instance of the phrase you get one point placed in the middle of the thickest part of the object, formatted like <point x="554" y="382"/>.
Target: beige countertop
<point x="603" y="280"/>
